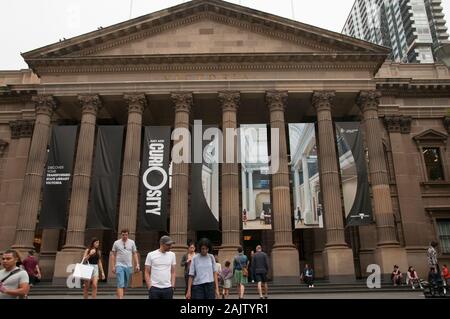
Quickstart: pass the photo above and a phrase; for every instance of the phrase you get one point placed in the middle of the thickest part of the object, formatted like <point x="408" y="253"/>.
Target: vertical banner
<point x="205" y="187"/>
<point x="354" y="178"/>
<point x="154" y="185"/>
<point x="255" y="178"/>
<point x="58" y="177"/>
<point x="105" y="179"/>
<point x="305" y="175"/>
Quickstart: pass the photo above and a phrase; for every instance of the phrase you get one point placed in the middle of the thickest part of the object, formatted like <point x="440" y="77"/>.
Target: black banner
<point x="58" y="177"/>
<point x="154" y="183"/>
<point x="204" y="196"/>
<point x="354" y="178"/>
<point x="105" y="178"/>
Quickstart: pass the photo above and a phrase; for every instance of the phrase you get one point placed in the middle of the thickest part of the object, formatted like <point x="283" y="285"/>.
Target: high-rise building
<point x="414" y="29"/>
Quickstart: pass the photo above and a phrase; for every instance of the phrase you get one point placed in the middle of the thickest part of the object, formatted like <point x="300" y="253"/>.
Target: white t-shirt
<point x="161" y="267"/>
<point x="124" y="252"/>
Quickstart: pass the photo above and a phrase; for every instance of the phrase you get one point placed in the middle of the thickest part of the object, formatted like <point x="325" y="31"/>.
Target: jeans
<point x="160" y="293"/>
<point x="203" y="291"/>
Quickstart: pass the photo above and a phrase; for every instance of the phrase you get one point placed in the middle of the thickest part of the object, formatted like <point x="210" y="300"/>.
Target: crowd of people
<point x="205" y="277"/>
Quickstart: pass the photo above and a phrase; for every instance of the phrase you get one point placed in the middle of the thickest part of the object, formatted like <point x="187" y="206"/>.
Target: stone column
<point x="31" y="195"/>
<point x="285" y="258"/>
<point x="75" y="241"/>
<point x="307" y="190"/>
<point x="12" y="183"/>
<point x="297" y="190"/>
<point x="47" y="255"/>
<point x="388" y="251"/>
<point x="131" y="164"/>
<point x="251" y="196"/>
<point x="415" y="223"/>
<point x="180" y="184"/>
<point x="231" y="215"/>
<point x="337" y="256"/>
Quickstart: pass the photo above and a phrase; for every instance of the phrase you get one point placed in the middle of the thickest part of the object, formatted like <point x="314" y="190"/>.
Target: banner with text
<point x="105" y="179"/>
<point x="154" y="176"/>
<point x="58" y="177"/>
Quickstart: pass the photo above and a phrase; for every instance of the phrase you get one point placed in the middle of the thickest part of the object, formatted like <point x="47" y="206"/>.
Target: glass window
<point x="433" y="163"/>
<point x="444" y="234"/>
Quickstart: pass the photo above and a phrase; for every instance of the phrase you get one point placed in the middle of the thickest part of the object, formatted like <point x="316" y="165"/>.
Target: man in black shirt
<point x="260" y="267"/>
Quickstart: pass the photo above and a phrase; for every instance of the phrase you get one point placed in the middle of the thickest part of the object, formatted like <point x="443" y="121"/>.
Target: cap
<point x="166" y="240"/>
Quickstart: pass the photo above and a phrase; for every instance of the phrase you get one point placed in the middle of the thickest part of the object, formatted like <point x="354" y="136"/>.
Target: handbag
<point x="83" y="271"/>
<point x="137" y="280"/>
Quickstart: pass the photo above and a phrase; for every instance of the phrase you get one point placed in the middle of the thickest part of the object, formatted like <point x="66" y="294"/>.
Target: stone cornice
<point x="414" y="88"/>
<point x="229" y="100"/>
<point x="398" y="124"/>
<point x="206" y="62"/>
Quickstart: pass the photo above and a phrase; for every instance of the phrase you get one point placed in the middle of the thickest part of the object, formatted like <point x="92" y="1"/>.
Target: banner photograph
<point x="354" y="178"/>
<point x="255" y="178"/>
<point x="305" y="176"/>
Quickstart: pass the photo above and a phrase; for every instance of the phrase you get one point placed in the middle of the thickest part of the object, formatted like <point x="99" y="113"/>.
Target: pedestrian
<point x="240" y="271"/>
<point x="93" y="256"/>
<point x="260" y="269"/>
<point x="227" y="275"/>
<point x="432" y="256"/>
<point x="308" y="276"/>
<point x="218" y="264"/>
<point x="262" y="217"/>
<point x="31" y="266"/>
<point x="413" y="278"/>
<point x="397" y="276"/>
<point x="123" y="252"/>
<point x="160" y="271"/>
<point x="203" y="276"/>
<point x="186" y="262"/>
<point x="14" y="281"/>
<point x="446" y="275"/>
<point x="244" y="217"/>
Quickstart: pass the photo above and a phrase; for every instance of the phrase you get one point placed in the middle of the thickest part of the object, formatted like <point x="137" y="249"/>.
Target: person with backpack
<point x="240" y="270"/>
<point x="14" y="281"/>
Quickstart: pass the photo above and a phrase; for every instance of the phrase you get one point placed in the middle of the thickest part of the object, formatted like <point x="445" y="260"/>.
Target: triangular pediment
<point x="205" y="27"/>
<point x="431" y="135"/>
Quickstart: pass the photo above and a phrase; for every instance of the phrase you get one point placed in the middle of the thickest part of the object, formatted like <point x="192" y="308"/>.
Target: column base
<point x="366" y="258"/>
<point x="338" y="264"/>
<point x="387" y="257"/>
<point x="417" y="258"/>
<point x="47" y="264"/>
<point x="285" y="264"/>
<point x="319" y="269"/>
<point x="63" y="260"/>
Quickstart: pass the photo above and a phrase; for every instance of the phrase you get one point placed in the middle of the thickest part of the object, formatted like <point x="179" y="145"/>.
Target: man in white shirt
<point x="124" y="250"/>
<point x="14" y="282"/>
<point x="160" y="270"/>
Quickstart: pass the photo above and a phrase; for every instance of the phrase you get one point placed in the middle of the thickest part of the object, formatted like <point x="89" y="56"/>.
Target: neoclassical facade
<point x="229" y="65"/>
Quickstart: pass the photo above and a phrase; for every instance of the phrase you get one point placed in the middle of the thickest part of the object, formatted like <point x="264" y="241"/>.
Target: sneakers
<point x="311" y="286"/>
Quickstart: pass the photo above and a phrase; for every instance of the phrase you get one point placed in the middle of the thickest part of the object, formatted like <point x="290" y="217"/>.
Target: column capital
<point x="90" y="103"/>
<point x="44" y="104"/>
<point x="447" y="123"/>
<point x="137" y="102"/>
<point x="182" y="101"/>
<point x="398" y="124"/>
<point x="368" y="100"/>
<point x="276" y="100"/>
<point x="229" y="100"/>
<point x="3" y="145"/>
<point x="323" y="100"/>
<point x="21" y="128"/>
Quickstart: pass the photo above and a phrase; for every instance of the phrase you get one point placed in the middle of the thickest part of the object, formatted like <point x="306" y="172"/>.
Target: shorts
<point x="261" y="278"/>
<point x="123" y="275"/>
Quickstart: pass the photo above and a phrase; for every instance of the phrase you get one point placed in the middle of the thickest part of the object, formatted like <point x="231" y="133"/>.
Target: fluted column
<point x="285" y="259"/>
<point x="180" y="175"/>
<point x="276" y="101"/>
<point x="29" y="205"/>
<point x="368" y="102"/>
<point x="90" y="104"/>
<point x="229" y="102"/>
<point x="337" y="257"/>
<point x="329" y="173"/>
<point x="130" y="172"/>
